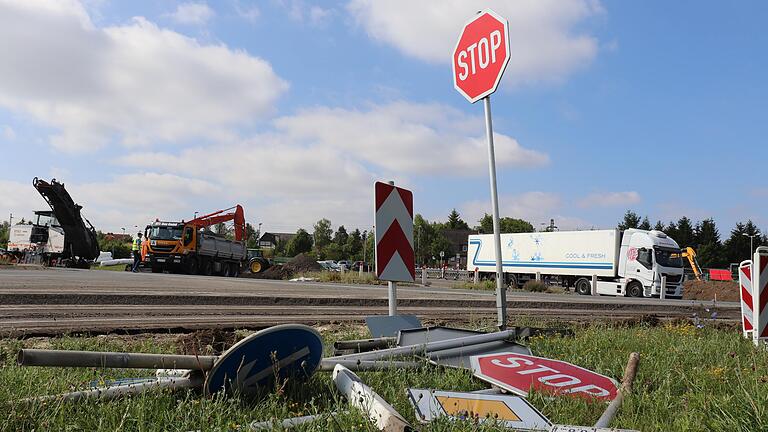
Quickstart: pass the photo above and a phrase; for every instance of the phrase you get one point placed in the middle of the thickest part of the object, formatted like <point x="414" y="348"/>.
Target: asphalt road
<point x="53" y="301"/>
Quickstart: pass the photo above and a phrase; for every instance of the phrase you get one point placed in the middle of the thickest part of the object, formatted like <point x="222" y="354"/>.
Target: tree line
<point x="704" y="237"/>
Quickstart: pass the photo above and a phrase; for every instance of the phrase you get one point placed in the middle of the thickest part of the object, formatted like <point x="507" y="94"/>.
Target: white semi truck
<point x="626" y="263"/>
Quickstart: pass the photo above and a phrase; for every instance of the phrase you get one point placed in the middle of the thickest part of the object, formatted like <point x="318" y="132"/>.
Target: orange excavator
<point x="190" y="247"/>
<point x="690" y="253"/>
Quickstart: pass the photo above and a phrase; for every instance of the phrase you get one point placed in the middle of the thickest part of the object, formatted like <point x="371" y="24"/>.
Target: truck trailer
<point x="625" y="263"/>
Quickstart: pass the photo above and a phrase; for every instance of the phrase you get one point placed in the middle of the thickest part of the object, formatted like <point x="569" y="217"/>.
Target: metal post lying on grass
<point x="114" y="392"/>
<point x="286" y="423"/>
<point x="64" y="358"/>
<point x="432" y="346"/>
<point x="626" y="387"/>
<point x="361" y="345"/>
<point x="361" y="396"/>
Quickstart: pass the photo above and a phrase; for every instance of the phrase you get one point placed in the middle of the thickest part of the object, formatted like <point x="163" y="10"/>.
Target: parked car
<point x="329" y="265"/>
<point x="356" y="266"/>
<point x="347" y="264"/>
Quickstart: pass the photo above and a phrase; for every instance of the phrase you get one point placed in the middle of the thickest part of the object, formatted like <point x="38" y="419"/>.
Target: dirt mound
<point x="301" y="263"/>
<point x="205" y="342"/>
<point x="711" y="290"/>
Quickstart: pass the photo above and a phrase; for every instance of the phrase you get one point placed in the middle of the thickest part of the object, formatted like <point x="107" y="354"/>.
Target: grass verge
<point x="690" y="379"/>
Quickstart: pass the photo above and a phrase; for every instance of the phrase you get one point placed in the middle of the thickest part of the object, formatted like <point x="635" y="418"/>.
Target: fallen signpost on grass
<point x="360" y="396"/>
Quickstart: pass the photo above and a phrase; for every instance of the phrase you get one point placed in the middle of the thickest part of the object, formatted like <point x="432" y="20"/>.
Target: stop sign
<point x="481" y="54"/>
<point x="518" y="373"/>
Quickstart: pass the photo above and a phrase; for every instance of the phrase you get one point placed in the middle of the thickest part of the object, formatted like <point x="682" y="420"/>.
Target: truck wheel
<point x="635" y="289"/>
<point x="583" y="286"/>
<point x="512" y="279"/>
<point x="191" y="266"/>
<point x="207" y="269"/>
<point x="234" y="270"/>
<point x="226" y="269"/>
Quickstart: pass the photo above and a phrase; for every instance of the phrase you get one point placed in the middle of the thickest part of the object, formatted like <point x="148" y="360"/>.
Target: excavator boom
<point x="238" y="216"/>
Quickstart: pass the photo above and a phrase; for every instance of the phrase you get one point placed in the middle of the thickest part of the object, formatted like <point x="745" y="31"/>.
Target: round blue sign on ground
<point x="283" y="351"/>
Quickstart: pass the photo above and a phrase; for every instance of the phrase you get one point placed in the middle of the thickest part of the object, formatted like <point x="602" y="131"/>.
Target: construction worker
<point x="136" y="248"/>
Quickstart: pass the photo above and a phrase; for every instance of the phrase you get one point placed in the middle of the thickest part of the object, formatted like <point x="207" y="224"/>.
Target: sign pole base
<point x="392" y="298"/>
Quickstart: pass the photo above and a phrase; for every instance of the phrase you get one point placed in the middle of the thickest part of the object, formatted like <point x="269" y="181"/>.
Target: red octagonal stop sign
<point x="481" y="55"/>
<point x="518" y="373"/>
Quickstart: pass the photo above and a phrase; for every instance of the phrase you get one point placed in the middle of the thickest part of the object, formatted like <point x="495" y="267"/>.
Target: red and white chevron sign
<point x="745" y="292"/>
<point x="394" y="233"/>
<point x="760" y="294"/>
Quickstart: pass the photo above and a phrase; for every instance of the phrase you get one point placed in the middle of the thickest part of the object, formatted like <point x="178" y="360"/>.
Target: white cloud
<point x="299" y="10"/>
<point x="8" y="133"/>
<point x="535" y="207"/>
<point x="249" y="13"/>
<point x="135" y="84"/>
<point x="322" y="162"/>
<point x="21" y="199"/>
<point x="192" y="13"/>
<point x="546" y="44"/>
<point x="610" y="199"/>
<point x="408" y="138"/>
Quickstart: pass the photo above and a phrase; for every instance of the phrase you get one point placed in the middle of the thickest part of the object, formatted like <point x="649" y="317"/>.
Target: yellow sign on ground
<point x="477" y="408"/>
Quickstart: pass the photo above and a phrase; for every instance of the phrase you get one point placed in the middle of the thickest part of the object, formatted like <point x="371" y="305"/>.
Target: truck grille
<point x="673" y="278"/>
<point x="161" y="248"/>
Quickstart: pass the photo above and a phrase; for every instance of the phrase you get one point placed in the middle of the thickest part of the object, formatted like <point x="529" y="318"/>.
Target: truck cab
<point x="644" y="258"/>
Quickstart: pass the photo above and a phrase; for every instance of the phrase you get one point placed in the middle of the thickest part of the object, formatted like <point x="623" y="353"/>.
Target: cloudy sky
<point x="293" y="108"/>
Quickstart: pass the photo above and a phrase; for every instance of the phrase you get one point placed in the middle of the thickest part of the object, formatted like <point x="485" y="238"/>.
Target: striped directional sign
<point x="760" y="294"/>
<point x="745" y="292"/>
<point x="510" y="411"/>
<point x="394" y="233"/>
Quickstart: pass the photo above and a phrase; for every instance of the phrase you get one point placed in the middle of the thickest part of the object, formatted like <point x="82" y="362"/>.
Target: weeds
<point x="690" y="379"/>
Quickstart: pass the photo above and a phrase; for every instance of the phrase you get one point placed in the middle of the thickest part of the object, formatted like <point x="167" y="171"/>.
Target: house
<point x="271" y="240"/>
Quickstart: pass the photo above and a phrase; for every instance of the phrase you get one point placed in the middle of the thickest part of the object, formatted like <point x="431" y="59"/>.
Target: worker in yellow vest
<point x="136" y="248"/>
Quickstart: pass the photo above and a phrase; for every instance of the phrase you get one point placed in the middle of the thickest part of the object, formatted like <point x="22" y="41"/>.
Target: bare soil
<point x="711" y="290"/>
<point x="299" y="264"/>
<point x="205" y="342"/>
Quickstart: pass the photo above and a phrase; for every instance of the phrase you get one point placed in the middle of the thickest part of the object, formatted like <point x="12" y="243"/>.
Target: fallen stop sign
<point x="481" y="54"/>
<point x="518" y="373"/>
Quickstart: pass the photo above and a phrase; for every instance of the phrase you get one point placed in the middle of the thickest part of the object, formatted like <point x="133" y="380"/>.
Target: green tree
<point x="251" y="236"/>
<point x="645" y="224"/>
<point x="341" y="236"/>
<point x="659" y="226"/>
<point x="354" y="246"/>
<point x="506" y="224"/>
<point x="455" y="221"/>
<point x="440" y="244"/>
<point x="709" y="248"/>
<point x="322" y="233"/>
<point x="631" y="220"/>
<point x="737" y="247"/>
<point x="300" y="243"/>
<point x="685" y="235"/>
<point x="5" y="230"/>
<point x="424" y="234"/>
<point x="368" y="245"/>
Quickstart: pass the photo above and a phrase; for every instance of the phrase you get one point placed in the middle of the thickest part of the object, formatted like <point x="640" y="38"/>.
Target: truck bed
<point x="215" y="246"/>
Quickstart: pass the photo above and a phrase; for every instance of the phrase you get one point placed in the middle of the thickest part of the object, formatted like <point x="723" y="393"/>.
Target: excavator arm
<point x="690" y="254"/>
<point x="226" y="215"/>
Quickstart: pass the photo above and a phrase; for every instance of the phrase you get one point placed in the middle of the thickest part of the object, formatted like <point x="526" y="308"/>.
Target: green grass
<point x="689" y="379"/>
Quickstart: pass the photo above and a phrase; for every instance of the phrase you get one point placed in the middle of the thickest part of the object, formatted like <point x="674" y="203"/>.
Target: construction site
<point x="301" y="215"/>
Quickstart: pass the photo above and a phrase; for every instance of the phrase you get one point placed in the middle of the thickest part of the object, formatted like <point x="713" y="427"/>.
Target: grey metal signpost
<point x="479" y="60"/>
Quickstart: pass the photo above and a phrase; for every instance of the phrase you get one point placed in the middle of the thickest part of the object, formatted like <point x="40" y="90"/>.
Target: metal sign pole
<point x="501" y="294"/>
<point x="392" y="298"/>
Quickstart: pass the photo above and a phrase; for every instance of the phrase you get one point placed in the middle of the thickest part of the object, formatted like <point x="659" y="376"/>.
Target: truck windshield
<point x="165" y="233"/>
<point x="665" y="258"/>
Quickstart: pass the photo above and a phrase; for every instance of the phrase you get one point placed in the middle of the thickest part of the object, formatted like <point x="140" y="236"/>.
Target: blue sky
<point x="293" y="108"/>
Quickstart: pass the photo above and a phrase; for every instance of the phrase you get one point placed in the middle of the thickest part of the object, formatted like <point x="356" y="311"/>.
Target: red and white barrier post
<point x="760" y="296"/>
<point x="745" y="293"/>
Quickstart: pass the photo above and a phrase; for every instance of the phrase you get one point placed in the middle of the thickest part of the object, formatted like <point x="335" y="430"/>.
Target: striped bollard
<point x="760" y="296"/>
<point x="745" y="294"/>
